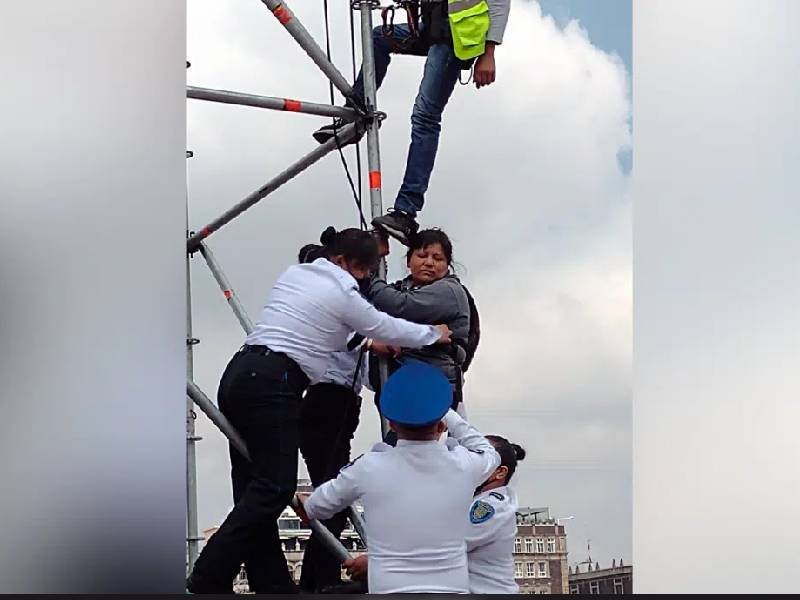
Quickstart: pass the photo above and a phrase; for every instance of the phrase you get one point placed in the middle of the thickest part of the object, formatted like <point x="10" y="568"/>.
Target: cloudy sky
<point x="541" y="223"/>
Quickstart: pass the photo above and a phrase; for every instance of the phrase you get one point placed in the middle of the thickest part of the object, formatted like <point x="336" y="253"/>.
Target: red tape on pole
<point x="282" y="14"/>
<point x="205" y="232"/>
<point x="228" y="294"/>
<point x="291" y="105"/>
<point x="374" y="180"/>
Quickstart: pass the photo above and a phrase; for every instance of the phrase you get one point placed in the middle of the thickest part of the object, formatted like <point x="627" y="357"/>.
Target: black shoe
<point x="397" y="224"/>
<point x="198" y="585"/>
<point x="326" y="133"/>
<point x="346" y="587"/>
<point x="279" y="589"/>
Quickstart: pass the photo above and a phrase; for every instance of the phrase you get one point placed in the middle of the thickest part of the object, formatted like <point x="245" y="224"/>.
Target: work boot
<point x="326" y="133"/>
<point x="398" y="224"/>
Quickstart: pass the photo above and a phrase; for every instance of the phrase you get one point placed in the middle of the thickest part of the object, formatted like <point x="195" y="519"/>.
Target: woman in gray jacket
<point x="430" y="294"/>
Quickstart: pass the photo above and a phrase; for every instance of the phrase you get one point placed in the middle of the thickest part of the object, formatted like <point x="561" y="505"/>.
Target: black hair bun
<point x="327" y="236"/>
<point x="519" y="451"/>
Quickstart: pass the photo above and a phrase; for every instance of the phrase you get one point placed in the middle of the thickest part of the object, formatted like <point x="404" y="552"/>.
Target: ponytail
<point x="510" y="454"/>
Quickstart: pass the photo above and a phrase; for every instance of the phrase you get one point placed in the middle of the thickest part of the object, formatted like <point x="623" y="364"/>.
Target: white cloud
<point x="528" y="186"/>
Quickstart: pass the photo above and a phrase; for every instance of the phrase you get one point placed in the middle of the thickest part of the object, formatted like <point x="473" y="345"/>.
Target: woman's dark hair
<point x="428" y="237"/>
<point x="353" y="244"/>
<point x="310" y="253"/>
<point x="510" y="454"/>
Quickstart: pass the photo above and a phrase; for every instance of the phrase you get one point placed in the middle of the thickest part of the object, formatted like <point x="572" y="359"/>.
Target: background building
<point x="616" y="580"/>
<point x="540" y="553"/>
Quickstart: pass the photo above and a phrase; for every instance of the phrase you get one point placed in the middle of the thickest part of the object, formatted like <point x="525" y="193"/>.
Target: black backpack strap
<point x="436" y="22"/>
<point x="474" y="328"/>
<point x="354" y="342"/>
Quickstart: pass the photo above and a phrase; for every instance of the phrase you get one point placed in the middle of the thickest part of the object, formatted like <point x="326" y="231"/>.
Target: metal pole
<point x="348" y="132"/>
<point x="227" y="290"/>
<point x="192" y="535"/>
<point x="358" y="523"/>
<point x="373" y="147"/>
<point x="216" y="417"/>
<point x="209" y="408"/>
<point x="326" y="537"/>
<point x="296" y="29"/>
<point x="272" y="103"/>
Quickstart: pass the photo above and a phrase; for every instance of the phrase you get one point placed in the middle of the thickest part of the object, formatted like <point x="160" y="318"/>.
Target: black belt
<point x="262" y="350"/>
<point x="290" y="365"/>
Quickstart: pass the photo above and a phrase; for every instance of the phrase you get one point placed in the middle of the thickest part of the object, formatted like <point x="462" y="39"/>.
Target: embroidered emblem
<point x="480" y="512"/>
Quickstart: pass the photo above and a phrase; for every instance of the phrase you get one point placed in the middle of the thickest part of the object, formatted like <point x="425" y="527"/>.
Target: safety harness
<point x="464" y="23"/>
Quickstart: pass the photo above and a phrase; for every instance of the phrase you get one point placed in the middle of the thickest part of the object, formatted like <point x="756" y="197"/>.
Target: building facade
<point x="540" y="553"/>
<point x="616" y="580"/>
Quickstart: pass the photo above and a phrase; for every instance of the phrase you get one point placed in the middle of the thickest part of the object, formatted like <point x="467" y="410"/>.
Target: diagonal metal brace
<point x="347" y="134"/>
<point x="227" y="289"/>
<point x="301" y="35"/>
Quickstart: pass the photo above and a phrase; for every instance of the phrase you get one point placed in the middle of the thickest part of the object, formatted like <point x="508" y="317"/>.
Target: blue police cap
<point x="416" y="395"/>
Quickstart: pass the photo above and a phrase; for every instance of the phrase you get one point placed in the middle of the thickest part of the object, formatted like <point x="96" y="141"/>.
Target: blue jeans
<point x="442" y="70"/>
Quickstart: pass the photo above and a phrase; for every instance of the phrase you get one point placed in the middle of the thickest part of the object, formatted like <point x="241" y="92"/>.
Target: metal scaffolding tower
<point x="364" y="116"/>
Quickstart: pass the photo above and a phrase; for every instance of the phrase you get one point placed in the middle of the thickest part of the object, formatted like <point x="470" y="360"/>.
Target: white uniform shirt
<point x="490" y="542"/>
<point x="341" y="369"/>
<point x="415" y="496"/>
<point x="312" y="310"/>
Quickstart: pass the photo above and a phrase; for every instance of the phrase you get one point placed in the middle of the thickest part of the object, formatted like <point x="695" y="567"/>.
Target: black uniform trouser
<point x="260" y="395"/>
<point x="328" y="420"/>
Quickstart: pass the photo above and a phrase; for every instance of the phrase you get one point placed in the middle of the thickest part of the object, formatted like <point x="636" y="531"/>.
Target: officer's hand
<point x="386" y="349"/>
<point x="485" y="71"/>
<point x="300" y="510"/>
<point x="357" y="567"/>
<point x="444" y="334"/>
<point x="383" y="242"/>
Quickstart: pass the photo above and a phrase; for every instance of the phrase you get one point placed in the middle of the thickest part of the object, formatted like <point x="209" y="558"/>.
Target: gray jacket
<point x="441" y="302"/>
<point x="498" y="19"/>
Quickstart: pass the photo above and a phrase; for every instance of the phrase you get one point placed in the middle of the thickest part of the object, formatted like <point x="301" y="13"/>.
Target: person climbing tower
<point x="453" y="35"/>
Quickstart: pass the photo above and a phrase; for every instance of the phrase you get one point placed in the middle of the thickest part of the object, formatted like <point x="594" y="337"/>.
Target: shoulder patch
<point x="480" y="512"/>
<point x="497" y="495"/>
<point x="351" y="463"/>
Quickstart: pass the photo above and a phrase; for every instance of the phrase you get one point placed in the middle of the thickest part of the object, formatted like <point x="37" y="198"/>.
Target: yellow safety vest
<point x="469" y="24"/>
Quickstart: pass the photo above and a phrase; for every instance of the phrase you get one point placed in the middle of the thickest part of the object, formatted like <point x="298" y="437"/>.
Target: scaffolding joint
<point x="372" y="4"/>
<point x="192" y="341"/>
<point x="192" y="243"/>
<point x="374" y="115"/>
